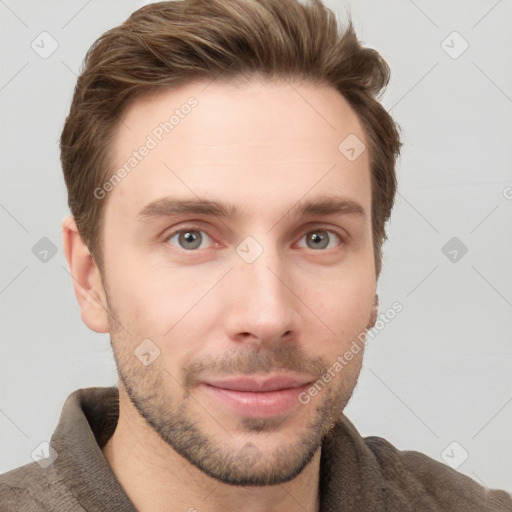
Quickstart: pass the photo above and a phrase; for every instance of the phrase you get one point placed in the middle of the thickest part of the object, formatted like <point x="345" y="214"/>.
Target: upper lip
<point x="261" y="383"/>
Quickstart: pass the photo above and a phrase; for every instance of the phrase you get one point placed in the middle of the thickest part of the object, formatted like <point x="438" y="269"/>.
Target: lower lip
<point x="263" y="404"/>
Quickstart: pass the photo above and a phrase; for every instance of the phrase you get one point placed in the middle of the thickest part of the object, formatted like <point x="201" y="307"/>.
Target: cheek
<point x="163" y="303"/>
<point x="345" y="309"/>
<point x="133" y="297"/>
<point x="345" y="303"/>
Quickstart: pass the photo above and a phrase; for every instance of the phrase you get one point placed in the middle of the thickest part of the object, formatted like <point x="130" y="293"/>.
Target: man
<point x="230" y="174"/>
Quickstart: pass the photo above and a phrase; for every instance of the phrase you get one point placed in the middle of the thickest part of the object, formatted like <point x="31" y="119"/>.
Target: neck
<point x="155" y="477"/>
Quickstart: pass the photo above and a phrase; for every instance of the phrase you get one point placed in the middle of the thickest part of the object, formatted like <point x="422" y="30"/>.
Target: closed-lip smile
<point x="260" y="384"/>
<point x="258" y="396"/>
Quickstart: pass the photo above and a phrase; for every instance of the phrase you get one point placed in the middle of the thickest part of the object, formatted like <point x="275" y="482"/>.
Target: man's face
<point x="234" y="301"/>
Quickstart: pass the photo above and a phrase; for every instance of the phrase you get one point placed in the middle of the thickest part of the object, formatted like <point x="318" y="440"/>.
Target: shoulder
<point x="32" y="488"/>
<point x="449" y="489"/>
<point x="19" y="488"/>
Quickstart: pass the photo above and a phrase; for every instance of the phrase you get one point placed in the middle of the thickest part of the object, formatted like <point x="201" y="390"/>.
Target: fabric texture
<point x="356" y="473"/>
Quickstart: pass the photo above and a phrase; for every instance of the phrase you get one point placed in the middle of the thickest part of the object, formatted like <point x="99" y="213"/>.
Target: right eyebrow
<point x="172" y="207"/>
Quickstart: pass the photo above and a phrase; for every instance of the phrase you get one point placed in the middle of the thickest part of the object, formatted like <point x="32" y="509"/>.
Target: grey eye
<point x="319" y="239"/>
<point x="188" y="239"/>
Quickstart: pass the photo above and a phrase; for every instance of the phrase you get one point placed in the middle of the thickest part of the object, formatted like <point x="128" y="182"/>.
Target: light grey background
<point x="440" y="371"/>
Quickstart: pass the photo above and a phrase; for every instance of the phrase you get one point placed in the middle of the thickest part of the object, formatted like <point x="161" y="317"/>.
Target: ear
<point x="374" y="313"/>
<point x="86" y="278"/>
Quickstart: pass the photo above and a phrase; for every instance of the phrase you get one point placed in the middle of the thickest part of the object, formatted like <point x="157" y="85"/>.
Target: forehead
<point x="263" y="143"/>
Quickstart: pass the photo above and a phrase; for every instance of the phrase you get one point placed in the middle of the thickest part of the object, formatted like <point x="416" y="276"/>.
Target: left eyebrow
<point x="172" y="206"/>
<point x="329" y="205"/>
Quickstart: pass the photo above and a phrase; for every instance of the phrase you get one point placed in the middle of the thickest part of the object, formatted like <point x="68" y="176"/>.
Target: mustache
<point x="284" y="357"/>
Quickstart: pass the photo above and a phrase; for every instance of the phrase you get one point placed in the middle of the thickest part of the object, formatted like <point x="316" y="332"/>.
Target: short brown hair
<point x="169" y="43"/>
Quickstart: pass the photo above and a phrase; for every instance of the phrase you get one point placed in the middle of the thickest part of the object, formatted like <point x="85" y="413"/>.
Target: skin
<point x="264" y="146"/>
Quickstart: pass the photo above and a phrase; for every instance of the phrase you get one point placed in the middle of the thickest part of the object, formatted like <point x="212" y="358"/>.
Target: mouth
<point x="258" y="397"/>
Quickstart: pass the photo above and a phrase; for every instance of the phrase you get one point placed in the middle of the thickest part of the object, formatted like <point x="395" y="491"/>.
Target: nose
<point x="263" y="305"/>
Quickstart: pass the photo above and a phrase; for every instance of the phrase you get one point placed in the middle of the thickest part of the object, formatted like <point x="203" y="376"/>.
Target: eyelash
<point x="184" y="229"/>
